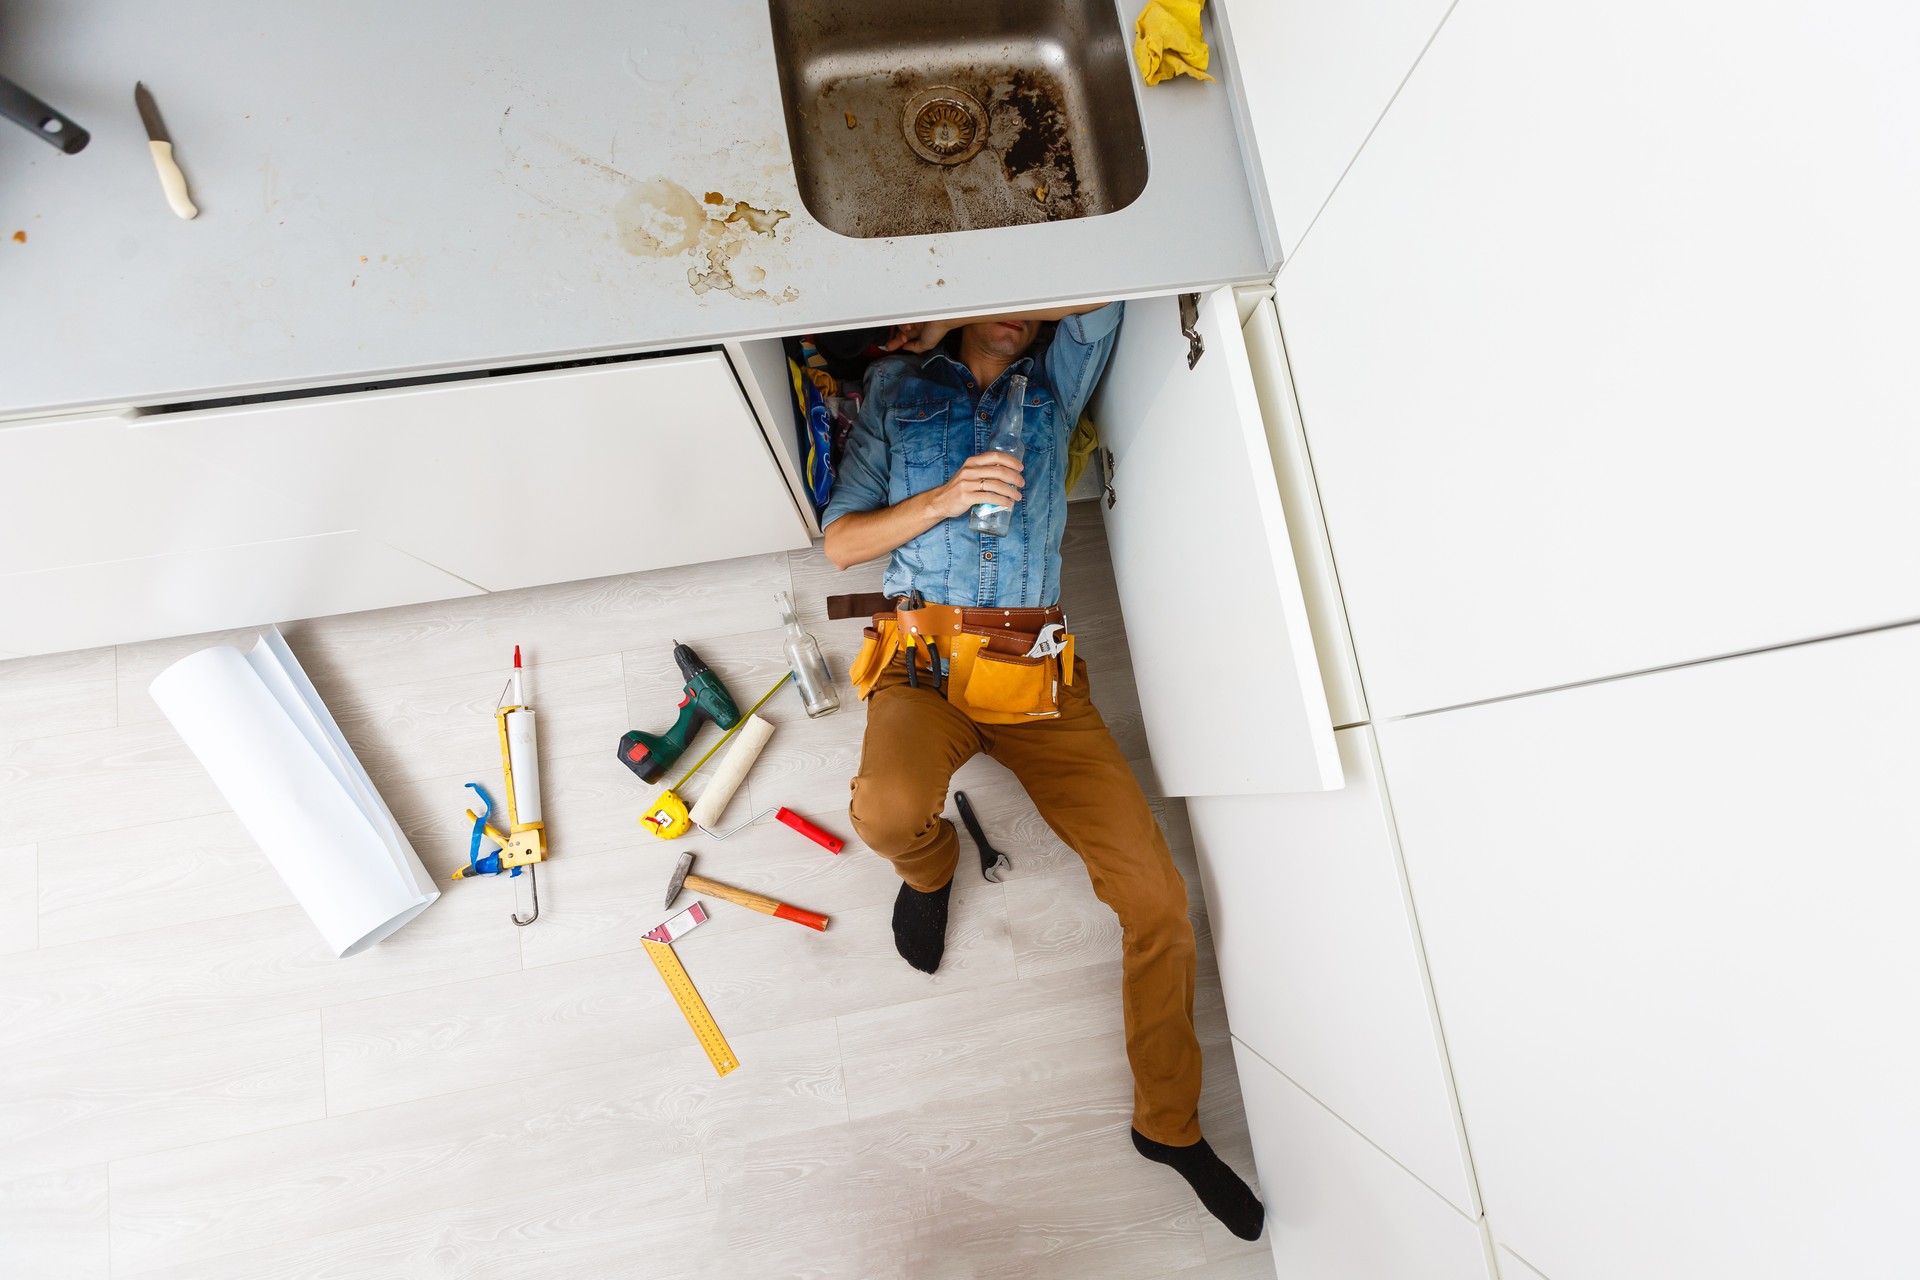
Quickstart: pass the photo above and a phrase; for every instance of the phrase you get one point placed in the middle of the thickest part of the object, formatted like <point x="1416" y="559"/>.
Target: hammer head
<point x="679" y="877"/>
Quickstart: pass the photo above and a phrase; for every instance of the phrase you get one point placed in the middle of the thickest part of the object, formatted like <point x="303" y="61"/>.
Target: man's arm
<point x="927" y="335"/>
<point x="859" y="536"/>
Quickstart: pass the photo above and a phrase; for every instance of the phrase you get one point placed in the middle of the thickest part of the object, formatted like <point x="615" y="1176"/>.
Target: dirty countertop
<point x="388" y="190"/>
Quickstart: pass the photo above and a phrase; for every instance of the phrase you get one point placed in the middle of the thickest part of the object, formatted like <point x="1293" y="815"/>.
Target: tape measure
<point x="692" y="1007"/>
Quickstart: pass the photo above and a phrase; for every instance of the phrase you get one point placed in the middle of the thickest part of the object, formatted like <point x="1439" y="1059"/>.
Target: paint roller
<point x="747" y="746"/>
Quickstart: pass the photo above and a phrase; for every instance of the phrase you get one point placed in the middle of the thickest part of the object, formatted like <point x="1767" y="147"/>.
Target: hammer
<point x="759" y="902"/>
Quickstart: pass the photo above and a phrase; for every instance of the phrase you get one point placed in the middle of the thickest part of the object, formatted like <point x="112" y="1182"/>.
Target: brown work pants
<point x="1073" y="770"/>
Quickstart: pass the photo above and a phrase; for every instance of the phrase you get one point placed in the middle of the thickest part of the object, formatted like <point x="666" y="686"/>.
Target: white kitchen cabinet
<point x="1337" y="1209"/>
<point x="1320" y="961"/>
<point x="1604" y="344"/>
<point x="523" y="479"/>
<point x="1203" y="565"/>
<point x="211" y="589"/>
<point x="1669" y="921"/>
<point x="1315" y="76"/>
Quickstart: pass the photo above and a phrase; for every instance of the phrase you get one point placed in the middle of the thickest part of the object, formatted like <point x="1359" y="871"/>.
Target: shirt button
<point x="986" y="555"/>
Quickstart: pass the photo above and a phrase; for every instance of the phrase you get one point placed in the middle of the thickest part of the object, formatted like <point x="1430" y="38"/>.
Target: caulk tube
<point x="523" y="755"/>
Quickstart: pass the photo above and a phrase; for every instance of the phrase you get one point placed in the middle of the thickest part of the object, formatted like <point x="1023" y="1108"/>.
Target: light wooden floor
<point x="191" y="1087"/>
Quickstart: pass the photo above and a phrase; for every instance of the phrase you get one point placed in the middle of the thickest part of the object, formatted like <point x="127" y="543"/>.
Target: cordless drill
<point x="703" y="698"/>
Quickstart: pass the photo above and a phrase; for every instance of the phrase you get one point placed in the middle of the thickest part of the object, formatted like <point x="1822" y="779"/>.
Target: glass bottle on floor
<point x="810" y="674"/>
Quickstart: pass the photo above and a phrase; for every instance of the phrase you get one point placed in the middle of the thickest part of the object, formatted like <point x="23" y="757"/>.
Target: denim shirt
<point x="923" y="416"/>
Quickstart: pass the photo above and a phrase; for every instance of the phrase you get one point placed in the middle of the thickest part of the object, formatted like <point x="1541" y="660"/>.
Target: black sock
<point x="920" y="925"/>
<point x="1220" y="1189"/>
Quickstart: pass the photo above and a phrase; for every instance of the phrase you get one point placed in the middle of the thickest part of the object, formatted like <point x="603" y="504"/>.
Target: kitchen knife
<point x="172" y="181"/>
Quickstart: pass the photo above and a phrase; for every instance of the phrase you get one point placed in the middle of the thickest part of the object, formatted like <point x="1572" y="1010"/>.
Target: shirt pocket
<point x="918" y="449"/>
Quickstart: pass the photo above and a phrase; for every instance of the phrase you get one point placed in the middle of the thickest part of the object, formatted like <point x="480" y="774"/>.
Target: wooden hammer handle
<point x="756" y="901"/>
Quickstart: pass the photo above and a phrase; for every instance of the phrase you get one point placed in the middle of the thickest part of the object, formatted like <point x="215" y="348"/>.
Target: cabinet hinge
<point x="1189" y="325"/>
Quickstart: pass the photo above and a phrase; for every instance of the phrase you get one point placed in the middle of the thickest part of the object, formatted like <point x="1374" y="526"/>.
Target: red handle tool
<point x="825" y="839"/>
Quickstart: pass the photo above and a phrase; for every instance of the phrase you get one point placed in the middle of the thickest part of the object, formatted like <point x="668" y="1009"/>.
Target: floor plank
<point x="152" y="876"/>
<point x="19" y="898"/>
<point x="99" y="995"/>
<point x="575" y="1227"/>
<point x="103" y="1105"/>
<point x="57" y="693"/>
<point x="53" y="1226"/>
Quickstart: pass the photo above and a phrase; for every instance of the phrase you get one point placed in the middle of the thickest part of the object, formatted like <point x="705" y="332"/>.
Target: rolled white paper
<point x="258" y="727"/>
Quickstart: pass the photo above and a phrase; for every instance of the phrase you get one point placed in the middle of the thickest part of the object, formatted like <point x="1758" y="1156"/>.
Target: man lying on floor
<point x="972" y="657"/>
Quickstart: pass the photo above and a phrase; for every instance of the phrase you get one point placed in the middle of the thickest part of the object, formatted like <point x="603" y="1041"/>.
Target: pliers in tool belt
<point x="916" y="602"/>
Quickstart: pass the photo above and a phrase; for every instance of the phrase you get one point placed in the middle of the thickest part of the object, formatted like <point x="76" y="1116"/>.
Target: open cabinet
<point x="1223" y="650"/>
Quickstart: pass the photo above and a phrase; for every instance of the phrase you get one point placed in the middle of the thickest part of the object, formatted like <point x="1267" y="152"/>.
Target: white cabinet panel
<point x="765" y="375"/>
<point x="1316" y="75"/>
<point x="1670" y="926"/>
<point x="1512" y="1268"/>
<point x="1201" y="560"/>
<point x="91" y="488"/>
<point x="529" y="478"/>
<point x="1604" y="345"/>
<point x="1320" y="963"/>
<point x="1321" y="966"/>
<point x="1337" y="1209"/>
<point x="1300" y="499"/>
<point x="83" y="606"/>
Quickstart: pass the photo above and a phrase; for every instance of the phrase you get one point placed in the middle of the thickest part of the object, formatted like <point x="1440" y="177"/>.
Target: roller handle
<point x="172" y="181"/>
<point x="755" y="901"/>
<point x="825" y="839"/>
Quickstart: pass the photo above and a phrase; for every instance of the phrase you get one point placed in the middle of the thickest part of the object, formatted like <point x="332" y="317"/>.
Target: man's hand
<point x="985" y="477"/>
<point x="860" y="536"/>
<point x="918" y="338"/>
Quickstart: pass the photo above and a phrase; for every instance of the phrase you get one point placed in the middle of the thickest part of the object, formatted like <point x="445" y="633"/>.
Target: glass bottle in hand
<point x="810" y="674"/>
<point x="992" y="517"/>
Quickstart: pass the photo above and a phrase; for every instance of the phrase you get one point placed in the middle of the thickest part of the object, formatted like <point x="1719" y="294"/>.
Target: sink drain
<point x="945" y="125"/>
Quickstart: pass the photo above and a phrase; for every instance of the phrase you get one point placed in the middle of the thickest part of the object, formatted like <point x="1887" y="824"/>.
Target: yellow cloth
<point x="1080" y="447"/>
<point x="1167" y="41"/>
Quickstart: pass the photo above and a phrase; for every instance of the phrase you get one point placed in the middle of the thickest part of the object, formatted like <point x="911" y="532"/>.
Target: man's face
<point x="1006" y="339"/>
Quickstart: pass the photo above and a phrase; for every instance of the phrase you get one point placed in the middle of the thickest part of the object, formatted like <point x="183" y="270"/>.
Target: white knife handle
<point x="172" y="181"/>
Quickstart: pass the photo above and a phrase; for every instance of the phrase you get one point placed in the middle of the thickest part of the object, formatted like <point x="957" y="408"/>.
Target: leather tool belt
<point x="990" y="673"/>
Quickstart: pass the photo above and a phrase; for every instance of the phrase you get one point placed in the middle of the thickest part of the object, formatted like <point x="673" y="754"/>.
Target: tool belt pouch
<point x="881" y="642"/>
<point x="1001" y="688"/>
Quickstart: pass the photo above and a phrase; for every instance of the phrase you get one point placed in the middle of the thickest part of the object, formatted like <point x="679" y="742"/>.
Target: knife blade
<point x="172" y="181"/>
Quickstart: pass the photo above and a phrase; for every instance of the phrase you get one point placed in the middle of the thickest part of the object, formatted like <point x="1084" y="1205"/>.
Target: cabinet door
<point x="1320" y="960"/>
<point x="1315" y="77"/>
<point x="1230" y="688"/>
<point x="1604" y="344"/>
<point x="524" y="479"/>
<point x="1670" y="926"/>
<point x="1336" y="1207"/>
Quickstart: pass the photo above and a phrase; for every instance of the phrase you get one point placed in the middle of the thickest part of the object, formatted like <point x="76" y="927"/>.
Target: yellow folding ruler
<point x="659" y="948"/>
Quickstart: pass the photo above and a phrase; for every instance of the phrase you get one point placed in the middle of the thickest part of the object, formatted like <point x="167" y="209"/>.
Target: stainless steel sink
<point x="908" y="118"/>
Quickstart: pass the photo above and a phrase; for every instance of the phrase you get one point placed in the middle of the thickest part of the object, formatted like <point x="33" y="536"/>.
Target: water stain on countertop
<point x="729" y="244"/>
<point x="659" y="218"/>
